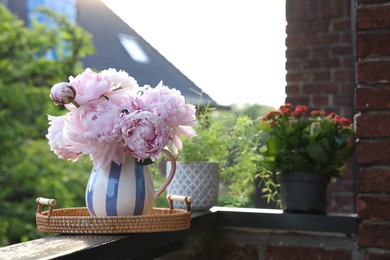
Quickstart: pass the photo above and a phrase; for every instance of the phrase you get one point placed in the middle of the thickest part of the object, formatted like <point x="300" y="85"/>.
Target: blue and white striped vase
<point x="123" y="190"/>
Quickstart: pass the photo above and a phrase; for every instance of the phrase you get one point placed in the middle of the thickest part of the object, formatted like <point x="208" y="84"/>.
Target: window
<point x="65" y="7"/>
<point x="133" y="48"/>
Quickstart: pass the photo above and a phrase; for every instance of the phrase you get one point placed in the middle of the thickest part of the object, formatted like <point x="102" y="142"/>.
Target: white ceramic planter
<point x="199" y="180"/>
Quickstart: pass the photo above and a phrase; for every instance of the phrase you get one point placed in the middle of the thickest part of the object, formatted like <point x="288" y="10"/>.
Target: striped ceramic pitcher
<point x="123" y="190"/>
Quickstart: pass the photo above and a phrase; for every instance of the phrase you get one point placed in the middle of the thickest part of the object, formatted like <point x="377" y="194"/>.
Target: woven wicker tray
<point x="79" y="221"/>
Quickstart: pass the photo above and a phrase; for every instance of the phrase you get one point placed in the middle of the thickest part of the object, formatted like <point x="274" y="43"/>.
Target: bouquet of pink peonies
<point x="110" y="116"/>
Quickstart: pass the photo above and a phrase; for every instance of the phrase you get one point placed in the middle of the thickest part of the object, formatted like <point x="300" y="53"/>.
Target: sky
<point x="234" y="50"/>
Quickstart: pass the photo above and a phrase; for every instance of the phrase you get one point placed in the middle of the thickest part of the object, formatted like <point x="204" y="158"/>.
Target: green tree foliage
<point x="28" y="168"/>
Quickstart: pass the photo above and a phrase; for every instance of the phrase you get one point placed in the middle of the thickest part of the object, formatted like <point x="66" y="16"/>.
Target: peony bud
<point x="62" y="93"/>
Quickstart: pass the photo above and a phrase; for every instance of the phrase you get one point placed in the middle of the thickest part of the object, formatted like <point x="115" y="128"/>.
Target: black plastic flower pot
<point x="303" y="192"/>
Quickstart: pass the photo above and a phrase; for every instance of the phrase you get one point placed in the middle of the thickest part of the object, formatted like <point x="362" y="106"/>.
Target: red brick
<point x="326" y="9"/>
<point x="321" y="76"/>
<point x="311" y="88"/>
<point x="372" y="44"/>
<point x="337" y="8"/>
<point x="289" y="252"/>
<point x="373" y="72"/>
<point x="330" y="88"/>
<point x="297" y="100"/>
<point x="373" y="125"/>
<point x="312" y="10"/>
<point x="300" y="76"/>
<point x="292" y="89"/>
<point x="372" y="17"/>
<point x="344" y="50"/>
<point x="330" y="38"/>
<point x="296" y="28"/>
<point x="310" y="64"/>
<point x="302" y="40"/>
<point x="293" y="40"/>
<point x="375" y="152"/>
<point x="347" y="112"/>
<point x="342" y="75"/>
<point x="377" y="256"/>
<point x="341" y="201"/>
<point x="296" y="10"/>
<point x="373" y="98"/>
<point x="293" y="65"/>
<point x="320" y="100"/>
<point x="373" y="207"/>
<point x="319" y="26"/>
<point x="339" y="188"/>
<point x="372" y="234"/>
<point x="342" y="8"/>
<point x="344" y="100"/>
<point x="373" y="180"/>
<point x="343" y="25"/>
<point x="346" y="62"/>
<point x="297" y="53"/>
<point x="346" y="38"/>
<point x="322" y="52"/>
<point x="371" y="1"/>
<point x="342" y="198"/>
<point x="346" y="89"/>
<point x="332" y="63"/>
<point x="345" y="181"/>
<point x="234" y="251"/>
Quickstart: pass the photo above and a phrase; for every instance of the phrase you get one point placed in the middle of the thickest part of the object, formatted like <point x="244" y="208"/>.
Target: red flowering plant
<point x="291" y="141"/>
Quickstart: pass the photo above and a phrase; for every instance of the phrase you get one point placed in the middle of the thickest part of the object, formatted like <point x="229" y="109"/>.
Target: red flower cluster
<point x="287" y="110"/>
<point x="317" y="113"/>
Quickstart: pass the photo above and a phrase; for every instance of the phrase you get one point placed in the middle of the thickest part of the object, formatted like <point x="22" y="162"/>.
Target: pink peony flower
<point x="111" y="116"/>
<point x="89" y="86"/>
<point x="62" y="93"/>
<point x="103" y="153"/>
<point x="178" y="131"/>
<point x="92" y="124"/>
<point x="123" y="98"/>
<point x="144" y="134"/>
<point x="120" y="79"/>
<point x="170" y="105"/>
<point x="63" y="149"/>
<point x="124" y="88"/>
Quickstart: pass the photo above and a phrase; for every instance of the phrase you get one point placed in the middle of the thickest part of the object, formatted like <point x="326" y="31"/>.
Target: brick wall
<point x="319" y="71"/>
<point x="319" y="76"/>
<point x="243" y="243"/>
<point x="373" y="125"/>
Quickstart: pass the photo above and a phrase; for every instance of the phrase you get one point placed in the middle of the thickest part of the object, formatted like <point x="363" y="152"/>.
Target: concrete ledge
<point x="151" y="245"/>
<point x="277" y="219"/>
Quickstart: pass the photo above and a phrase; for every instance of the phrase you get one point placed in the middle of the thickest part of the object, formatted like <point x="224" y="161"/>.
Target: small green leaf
<point x="274" y="146"/>
<point x="317" y="153"/>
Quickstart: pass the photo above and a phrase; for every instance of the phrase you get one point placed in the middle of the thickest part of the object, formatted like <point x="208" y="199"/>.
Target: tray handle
<point x="45" y="201"/>
<point x="185" y="199"/>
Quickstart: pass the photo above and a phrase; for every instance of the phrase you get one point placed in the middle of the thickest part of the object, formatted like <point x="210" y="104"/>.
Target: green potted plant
<point x="198" y="162"/>
<point x="304" y="152"/>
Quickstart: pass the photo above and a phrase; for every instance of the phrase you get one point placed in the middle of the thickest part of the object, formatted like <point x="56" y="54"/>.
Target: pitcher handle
<point x="171" y="174"/>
